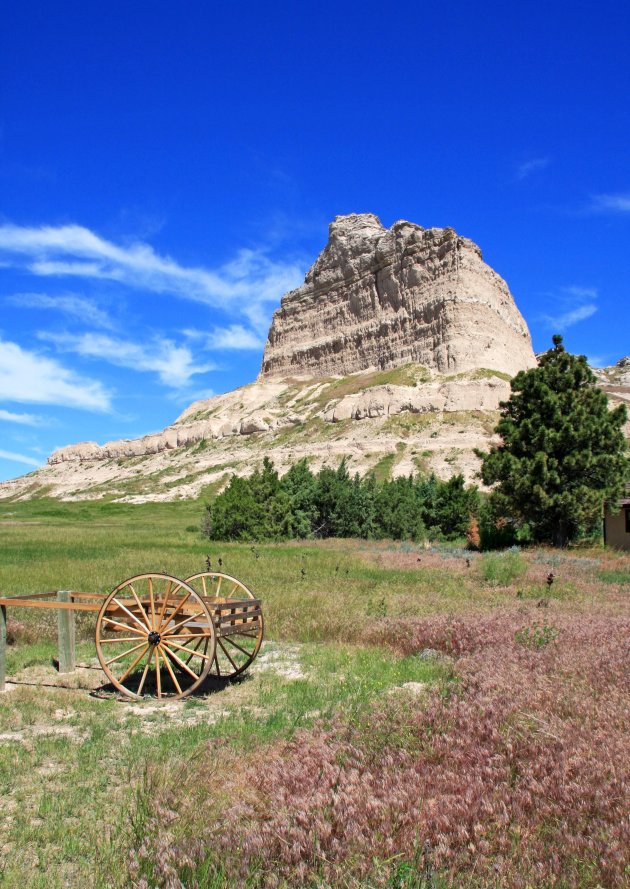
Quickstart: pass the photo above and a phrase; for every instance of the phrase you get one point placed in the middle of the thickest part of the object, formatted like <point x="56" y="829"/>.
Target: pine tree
<point x="563" y="451"/>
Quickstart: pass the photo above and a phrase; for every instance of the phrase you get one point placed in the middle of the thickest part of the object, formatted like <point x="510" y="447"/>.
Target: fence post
<point x="66" y="634"/>
<point x="3" y="645"/>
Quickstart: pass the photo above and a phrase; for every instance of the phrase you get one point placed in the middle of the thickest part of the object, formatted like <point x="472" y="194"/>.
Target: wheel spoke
<point x="170" y="670"/>
<point x="236" y="645"/>
<point x="141" y="607"/>
<point x="166" y="598"/>
<point x="121" y="639"/>
<point x="227" y="654"/>
<point x="183" y="647"/>
<point x="124" y="627"/>
<point x="131" y="615"/>
<point x="124" y="654"/>
<point x="193" y="653"/>
<point x="132" y="667"/>
<point x="184" y="666"/>
<point x="158" y="678"/>
<point x="185" y="621"/>
<point x="216" y="660"/>
<point x="144" y="674"/>
<point x="152" y="603"/>
<point x="179" y="607"/>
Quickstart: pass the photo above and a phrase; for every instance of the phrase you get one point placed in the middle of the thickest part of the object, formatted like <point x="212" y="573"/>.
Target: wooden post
<point x="66" y="634"/>
<point x="3" y="645"/>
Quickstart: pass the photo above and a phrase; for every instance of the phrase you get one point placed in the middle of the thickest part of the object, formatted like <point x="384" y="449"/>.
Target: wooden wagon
<point x="162" y="636"/>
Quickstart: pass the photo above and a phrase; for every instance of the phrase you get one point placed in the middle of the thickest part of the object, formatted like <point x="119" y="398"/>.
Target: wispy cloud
<point x="234" y="337"/>
<point x="579" y="293"/>
<point x="174" y="364"/>
<point x="576" y="303"/>
<point x="533" y="165"/>
<point x="610" y="203"/>
<point x="245" y="284"/>
<point x="568" y="319"/>
<point x="23" y="419"/>
<point x="71" y="305"/>
<point x="28" y="377"/>
<point x="19" y="458"/>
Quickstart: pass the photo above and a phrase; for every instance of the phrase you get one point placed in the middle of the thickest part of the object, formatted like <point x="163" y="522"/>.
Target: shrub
<point x="536" y="636"/>
<point x="501" y="569"/>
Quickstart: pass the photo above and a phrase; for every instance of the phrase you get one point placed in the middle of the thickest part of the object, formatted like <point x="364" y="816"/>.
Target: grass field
<point x="404" y="696"/>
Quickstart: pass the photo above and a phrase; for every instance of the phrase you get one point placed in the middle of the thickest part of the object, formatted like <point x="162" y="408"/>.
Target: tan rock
<point x="378" y="298"/>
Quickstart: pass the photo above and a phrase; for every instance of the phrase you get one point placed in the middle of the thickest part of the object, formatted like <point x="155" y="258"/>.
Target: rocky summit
<point x="377" y="298"/>
<point x="394" y="354"/>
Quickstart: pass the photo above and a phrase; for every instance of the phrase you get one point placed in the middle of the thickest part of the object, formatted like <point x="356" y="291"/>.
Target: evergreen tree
<point x="563" y="451"/>
<point x="300" y="486"/>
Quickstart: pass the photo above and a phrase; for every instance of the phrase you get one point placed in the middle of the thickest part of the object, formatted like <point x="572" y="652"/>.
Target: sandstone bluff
<point x="394" y="353"/>
<point x="379" y="298"/>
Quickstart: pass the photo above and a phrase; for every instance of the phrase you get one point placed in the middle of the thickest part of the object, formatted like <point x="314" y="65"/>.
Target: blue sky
<point x="169" y="169"/>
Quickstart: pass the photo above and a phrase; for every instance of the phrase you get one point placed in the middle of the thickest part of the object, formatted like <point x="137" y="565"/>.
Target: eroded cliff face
<point x="377" y="298"/>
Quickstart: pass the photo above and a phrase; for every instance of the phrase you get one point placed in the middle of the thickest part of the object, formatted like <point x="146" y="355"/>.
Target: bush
<point x="501" y="569"/>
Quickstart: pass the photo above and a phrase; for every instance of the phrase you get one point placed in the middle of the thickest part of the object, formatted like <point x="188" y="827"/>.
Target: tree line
<point x="335" y="503"/>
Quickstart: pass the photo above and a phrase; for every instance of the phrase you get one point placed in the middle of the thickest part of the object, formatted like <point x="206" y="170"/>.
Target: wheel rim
<point x="236" y="651"/>
<point x="146" y="631"/>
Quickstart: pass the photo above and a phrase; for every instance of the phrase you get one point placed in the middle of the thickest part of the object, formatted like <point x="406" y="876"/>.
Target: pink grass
<point x="520" y="777"/>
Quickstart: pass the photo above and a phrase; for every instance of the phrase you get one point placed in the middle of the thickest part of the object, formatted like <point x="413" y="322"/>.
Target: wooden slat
<point x="101" y="596"/>
<point x="234" y="616"/>
<point x="30" y="596"/>
<point x="68" y="606"/>
<point x="244" y="629"/>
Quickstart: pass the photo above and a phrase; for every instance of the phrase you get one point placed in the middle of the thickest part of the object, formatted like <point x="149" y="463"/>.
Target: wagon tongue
<point x="154" y="638"/>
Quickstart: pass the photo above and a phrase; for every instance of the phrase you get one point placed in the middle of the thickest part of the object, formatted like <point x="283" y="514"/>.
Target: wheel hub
<point x="154" y="638"/>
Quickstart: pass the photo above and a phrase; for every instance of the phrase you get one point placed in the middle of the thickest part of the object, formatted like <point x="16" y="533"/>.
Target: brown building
<point x="617" y="524"/>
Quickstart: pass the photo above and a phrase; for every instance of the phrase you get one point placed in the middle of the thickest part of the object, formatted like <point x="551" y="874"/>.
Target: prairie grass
<point x="404" y="694"/>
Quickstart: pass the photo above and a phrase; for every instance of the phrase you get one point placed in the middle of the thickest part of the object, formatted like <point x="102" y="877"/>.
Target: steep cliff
<point x="377" y="298"/>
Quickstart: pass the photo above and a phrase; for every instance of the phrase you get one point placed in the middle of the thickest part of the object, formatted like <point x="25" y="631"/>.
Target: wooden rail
<point x="63" y="602"/>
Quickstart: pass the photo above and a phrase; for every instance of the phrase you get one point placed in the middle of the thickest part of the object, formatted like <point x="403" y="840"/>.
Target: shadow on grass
<point x="210" y="686"/>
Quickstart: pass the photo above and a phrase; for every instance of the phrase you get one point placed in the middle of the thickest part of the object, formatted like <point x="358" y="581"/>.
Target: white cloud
<point x="244" y="284"/>
<point x="575" y="303"/>
<point x="233" y="337"/>
<point x="531" y="166"/>
<point x="173" y="364"/>
<point x="32" y="378"/>
<point x="568" y="319"/>
<point x="581" y="293"/>
<point x="70" y="304"/>
<point x="23" y="419"/>
<point x="19" y="458"/>
<point x="610" y="203"/>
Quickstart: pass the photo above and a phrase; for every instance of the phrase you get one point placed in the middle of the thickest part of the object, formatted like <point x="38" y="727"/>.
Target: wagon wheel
<point x="146" y="633"/>
<point x="234" y="653"/>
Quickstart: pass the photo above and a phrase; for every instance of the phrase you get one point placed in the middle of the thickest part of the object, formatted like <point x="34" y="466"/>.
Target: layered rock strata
<point x="379" y="298"/>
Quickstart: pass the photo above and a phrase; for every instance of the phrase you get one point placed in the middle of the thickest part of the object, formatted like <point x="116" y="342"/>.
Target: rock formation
<point x="379" y="298"/>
